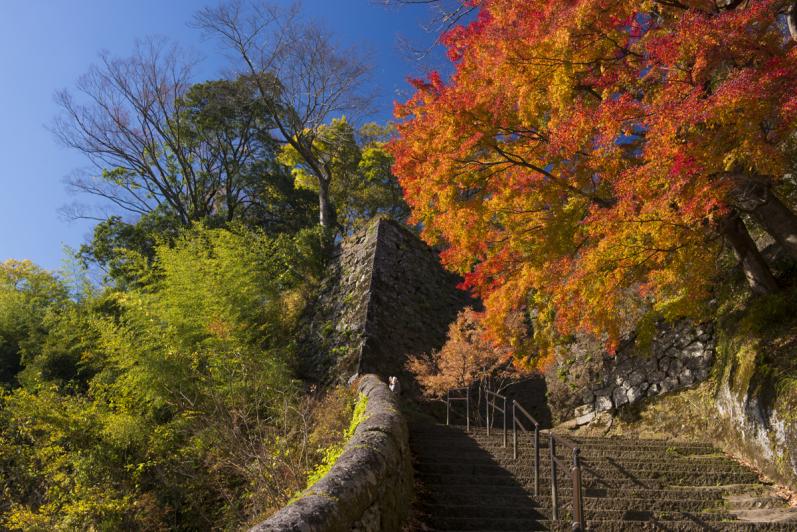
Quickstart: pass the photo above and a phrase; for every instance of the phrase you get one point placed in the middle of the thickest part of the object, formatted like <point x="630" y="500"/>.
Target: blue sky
<point x="46" y="44"/>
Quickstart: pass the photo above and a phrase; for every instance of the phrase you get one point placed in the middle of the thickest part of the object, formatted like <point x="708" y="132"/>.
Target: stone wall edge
<point x="370" y="485"/>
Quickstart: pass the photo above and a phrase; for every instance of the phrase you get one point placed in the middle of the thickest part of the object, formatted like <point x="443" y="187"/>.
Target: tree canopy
<point x="161" y="143"/>
<point x="303" y="76"/>
<point x="589" y="159"/>
<point x="362" y="184"/>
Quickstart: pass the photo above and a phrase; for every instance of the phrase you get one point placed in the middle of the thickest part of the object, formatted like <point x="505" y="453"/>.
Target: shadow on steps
<point x="469" y="504"/>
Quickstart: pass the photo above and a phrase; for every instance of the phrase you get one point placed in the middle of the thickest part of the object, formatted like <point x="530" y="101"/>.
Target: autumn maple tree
<point x="591" y="158"/>
<point x="467" y="358"/>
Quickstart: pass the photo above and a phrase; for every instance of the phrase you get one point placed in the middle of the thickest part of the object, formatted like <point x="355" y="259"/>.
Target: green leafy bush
<point x="330" y="455"/>
<point x="168" y="405"/>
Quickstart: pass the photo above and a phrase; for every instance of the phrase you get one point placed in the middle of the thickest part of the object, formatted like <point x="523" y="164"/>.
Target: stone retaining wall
<point x="412" y="302"/>
<point x="386" y="297"/>
<point x="679" y="355"/>
<point x="370" y="486"/>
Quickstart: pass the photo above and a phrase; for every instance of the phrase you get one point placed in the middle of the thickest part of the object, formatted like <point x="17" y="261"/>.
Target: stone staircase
<point x="469" y="481"/>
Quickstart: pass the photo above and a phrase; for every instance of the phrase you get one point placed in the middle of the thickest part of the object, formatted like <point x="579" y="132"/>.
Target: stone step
<point x="498" y="511"/>
<point x="537" y="513"/>
<point x="452" y="524"/>
<point x="465" y="444"/>
<point x="525" y="467"/>
<point x="607" y="443"/>
<point x="589" y="462"/>
<point x="480" y="434"/>
<point x="607" y="479"/>
<point x="480" y="429"/>
<point x="472" y="447"/>
<point x="470" y="481"/>
<point x="459" y="454"/>
<point x="525" y="489"/>
<point x="544" y="501"/>
<point x="448" y="522"/>
<point x="672" y="526"/>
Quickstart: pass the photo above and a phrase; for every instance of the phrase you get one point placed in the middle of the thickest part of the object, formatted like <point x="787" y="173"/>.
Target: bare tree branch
<point x="303" y="77"/>
<point x="446" y="14"/>
<point x="132" y="118"/>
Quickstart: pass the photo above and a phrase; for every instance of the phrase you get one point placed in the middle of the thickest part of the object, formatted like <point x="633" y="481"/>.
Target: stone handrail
<point x="370" y="486"/>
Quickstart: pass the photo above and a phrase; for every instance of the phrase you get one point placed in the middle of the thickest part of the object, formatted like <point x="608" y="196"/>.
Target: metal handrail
<point x="579" y="523"/>
<point x="517" y="423"/>
<point x="491" y="403"/>
<point x="450" y="398"/>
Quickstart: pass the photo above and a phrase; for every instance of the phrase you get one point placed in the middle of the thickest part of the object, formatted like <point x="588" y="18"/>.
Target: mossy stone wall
<point x="370" y="486"/>
<point x="757" y="406"/>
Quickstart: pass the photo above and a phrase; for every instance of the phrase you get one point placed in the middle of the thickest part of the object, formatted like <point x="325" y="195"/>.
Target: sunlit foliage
<point x="362" y="184"/>
<point x="171" y="405"/>
<point x="586" y="158"/>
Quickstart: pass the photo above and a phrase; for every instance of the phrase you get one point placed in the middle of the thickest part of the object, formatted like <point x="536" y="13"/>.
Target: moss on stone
<point x="331" y="454"/>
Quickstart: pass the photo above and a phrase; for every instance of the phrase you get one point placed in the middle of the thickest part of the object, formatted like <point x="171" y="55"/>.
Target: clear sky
<point x="46" y="44"/>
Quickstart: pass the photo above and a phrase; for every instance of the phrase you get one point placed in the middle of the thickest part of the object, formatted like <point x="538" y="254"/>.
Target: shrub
<point x="466" y="358"/>
<point x="330" y="454"/>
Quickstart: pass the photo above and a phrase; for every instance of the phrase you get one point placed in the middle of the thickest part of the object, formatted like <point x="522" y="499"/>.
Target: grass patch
<point x="331" y="454"/>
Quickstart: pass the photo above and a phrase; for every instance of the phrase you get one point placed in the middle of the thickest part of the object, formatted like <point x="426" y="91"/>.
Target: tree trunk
<point x="778" y="220"/>
<point x="791" y="20"/>
<point x="325" y="207"/>
<point x="758" y="275"/>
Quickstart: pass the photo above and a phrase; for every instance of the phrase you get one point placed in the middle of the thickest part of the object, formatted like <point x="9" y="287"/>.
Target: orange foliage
<point x="466" y="358"/>
<point x="583" y="152"/>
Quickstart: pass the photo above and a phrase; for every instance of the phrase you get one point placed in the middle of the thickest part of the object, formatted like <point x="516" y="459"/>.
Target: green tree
<point x="125" y="251"/>
<point x="28" y="297"/>
<point x="361" y="182"/>
<point x="304" y="79"/>
<point x="163" y="144"/>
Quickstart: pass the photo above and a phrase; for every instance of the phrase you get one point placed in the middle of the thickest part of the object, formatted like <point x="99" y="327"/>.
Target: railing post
<point x="487" y="410"/>
<point x="554" y="494"/>
<point x="514" y="433"/>
<point x="504" y="422"/>
<point x="536" y="459"/>
<point x="578" y="500"/>
<point x="448" y="405"/>
<point x="467" y="409"/>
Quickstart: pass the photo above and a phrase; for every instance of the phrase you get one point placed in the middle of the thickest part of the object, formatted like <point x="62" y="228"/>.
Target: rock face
<point x="370" y="486"/>
<point x="755" y="408"/>
<point x="679" y="356"/>
<point x="387" y="297"/>
<point x="762" y="433"/>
